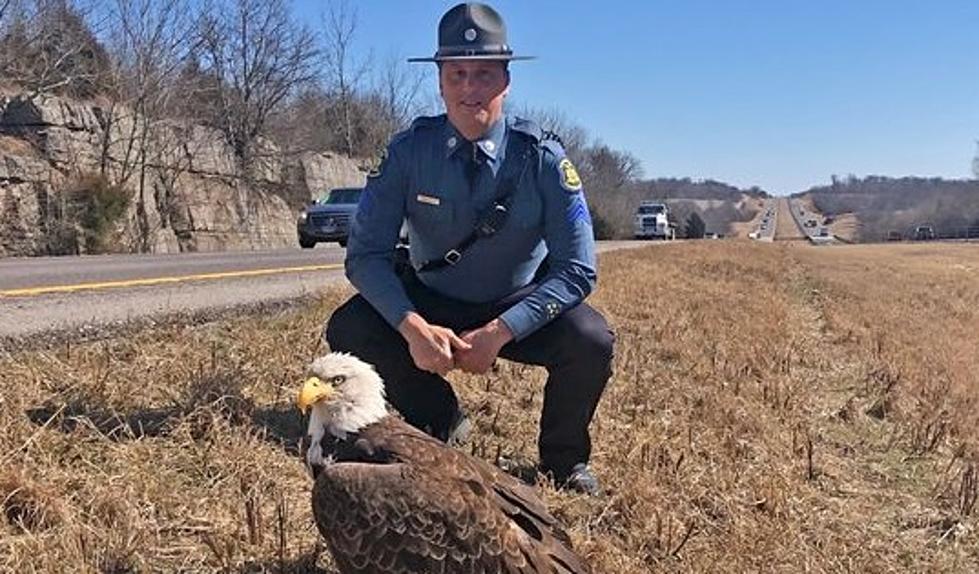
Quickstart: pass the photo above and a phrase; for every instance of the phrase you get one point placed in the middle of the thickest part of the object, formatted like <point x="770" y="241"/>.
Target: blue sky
<point x="779" y="94"/>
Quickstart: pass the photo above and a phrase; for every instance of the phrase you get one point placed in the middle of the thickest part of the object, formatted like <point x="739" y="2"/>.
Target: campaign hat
<point x="472" y="31"/>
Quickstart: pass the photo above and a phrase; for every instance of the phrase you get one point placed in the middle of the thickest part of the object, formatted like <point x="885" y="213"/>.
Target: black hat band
<point x="481" y="50"/>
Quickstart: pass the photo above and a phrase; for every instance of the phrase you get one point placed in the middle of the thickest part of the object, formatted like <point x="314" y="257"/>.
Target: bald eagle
<point x="390" y="498"/>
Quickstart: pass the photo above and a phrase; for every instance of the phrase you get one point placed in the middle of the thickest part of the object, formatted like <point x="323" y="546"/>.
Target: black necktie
<point x="471" y="161"/>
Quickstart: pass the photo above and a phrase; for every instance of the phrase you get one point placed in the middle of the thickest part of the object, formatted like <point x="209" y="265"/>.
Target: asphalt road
<point x="800" y="215"/>
<point x="86" y="294"/>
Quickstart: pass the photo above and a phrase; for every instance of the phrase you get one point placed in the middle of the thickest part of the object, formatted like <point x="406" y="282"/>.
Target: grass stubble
<point x="775" y="408"/>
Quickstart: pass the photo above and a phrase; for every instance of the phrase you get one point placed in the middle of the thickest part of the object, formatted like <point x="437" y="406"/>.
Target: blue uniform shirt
<point x="422" y="179"/>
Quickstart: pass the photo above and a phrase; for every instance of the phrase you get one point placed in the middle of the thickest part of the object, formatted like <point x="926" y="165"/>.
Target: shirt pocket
<point x="426" y="210"/>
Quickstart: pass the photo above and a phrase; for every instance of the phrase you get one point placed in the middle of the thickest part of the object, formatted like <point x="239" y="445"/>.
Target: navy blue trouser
<point x="575" y="348"/>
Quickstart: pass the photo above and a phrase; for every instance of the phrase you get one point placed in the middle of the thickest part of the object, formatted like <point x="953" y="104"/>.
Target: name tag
<point x="428" y="199"/>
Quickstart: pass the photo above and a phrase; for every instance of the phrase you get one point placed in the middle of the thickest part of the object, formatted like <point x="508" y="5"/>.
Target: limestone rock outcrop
<point x="184" y="188"/>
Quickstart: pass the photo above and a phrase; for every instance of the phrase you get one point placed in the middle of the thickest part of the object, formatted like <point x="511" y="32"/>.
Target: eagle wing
<point x="410" y="504"/>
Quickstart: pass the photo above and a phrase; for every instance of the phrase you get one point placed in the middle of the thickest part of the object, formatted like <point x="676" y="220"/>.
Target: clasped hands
<point x="439" y="350"/>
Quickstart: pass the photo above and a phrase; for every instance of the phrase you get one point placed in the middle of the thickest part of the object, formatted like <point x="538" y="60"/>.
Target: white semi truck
<point x="652" y="221"/>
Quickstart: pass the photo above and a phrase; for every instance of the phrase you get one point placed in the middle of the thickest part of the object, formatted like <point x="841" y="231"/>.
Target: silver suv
<point x="328" y="218"/>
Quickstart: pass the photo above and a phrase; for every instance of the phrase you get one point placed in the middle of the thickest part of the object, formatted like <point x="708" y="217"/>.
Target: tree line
<point x="251" y="70"/>
<point x="246" y="67"/>
<point x="893" y="207"/>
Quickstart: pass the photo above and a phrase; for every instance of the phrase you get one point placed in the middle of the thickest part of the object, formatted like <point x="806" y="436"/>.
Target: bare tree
<point x="344" y="74"/>
<point x="257" y="57"/>
<point x="400" y="91"/>
<point x="4" y="7"/>
<point x="573" y="137"/>
<point x="607" y="169"/>
<point x="388" y="107"/>
<point x="48" y="46"/>
<point x="149" y="43"/>
<point x="356" y="108"/>
<point x="359" y="124"/>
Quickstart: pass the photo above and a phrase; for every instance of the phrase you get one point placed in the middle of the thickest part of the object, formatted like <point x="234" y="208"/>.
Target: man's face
<point x="473" y="92"/>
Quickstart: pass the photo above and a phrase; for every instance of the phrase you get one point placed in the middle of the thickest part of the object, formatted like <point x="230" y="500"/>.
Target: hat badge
<point x="470" y="34"/>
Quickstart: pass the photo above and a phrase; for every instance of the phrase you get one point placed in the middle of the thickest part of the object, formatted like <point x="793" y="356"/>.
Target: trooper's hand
<point x="486" y="343"/>
<point x="432" y="347"/>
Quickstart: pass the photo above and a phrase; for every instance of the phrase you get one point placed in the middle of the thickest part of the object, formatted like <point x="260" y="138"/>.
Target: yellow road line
<point x="30" y="291"/>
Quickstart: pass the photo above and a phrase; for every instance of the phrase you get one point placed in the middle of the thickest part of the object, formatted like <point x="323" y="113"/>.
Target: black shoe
<point x="455" y="433"/>
<point x="580" y="479"/>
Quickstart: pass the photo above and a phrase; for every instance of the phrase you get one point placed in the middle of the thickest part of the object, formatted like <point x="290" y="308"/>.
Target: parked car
<point x="328" y="218"/>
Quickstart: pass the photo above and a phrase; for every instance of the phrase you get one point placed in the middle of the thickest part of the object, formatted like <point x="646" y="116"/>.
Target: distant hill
<point x="883" y="205"/>
<point x="720" y="205"/>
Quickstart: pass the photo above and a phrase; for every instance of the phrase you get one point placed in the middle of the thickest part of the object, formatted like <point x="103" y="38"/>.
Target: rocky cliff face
<point x="183" y="188"/>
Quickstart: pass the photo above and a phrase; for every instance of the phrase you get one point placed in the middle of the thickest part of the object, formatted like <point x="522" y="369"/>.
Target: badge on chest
<point x="428" y="199"/>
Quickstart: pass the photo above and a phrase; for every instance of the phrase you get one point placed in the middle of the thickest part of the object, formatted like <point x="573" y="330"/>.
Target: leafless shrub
<point x="256" y="56"/>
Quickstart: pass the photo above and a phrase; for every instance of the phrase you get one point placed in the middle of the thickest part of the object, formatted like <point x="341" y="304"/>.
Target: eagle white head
<point x="343" y="394"/>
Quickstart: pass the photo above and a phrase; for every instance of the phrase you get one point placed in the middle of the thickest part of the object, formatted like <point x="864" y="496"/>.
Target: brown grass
<point x="775" y="407"/>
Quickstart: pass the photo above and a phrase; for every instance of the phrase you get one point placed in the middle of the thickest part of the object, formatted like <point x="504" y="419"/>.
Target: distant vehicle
<point x="328" y="218"/>
<point x="924" y="233"/>
<point x="824" y="232"/>
<point x="810" y="223"/>
<point x="652" y="221"/>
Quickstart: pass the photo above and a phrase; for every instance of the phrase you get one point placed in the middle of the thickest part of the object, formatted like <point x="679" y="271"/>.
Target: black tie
<point x="471" y="161"/>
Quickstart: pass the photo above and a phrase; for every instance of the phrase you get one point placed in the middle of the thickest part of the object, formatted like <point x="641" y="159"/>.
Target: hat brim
<point x="483" y="57"/>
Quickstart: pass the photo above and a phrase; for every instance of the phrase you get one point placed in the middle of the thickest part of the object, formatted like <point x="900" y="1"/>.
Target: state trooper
<point x="486" y="198"/>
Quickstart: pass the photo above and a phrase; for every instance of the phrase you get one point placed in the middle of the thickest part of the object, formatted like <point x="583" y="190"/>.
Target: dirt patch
<point x="743" y="228"/>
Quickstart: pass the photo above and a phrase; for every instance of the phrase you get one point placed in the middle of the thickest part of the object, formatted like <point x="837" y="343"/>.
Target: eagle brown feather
<point x="395" y="500"/>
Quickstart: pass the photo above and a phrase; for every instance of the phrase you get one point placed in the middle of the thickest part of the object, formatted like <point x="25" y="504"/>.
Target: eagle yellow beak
<point x="314" y="390"/>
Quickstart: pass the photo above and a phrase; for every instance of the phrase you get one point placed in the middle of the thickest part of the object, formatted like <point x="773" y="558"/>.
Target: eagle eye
<point x="338" y="379"/>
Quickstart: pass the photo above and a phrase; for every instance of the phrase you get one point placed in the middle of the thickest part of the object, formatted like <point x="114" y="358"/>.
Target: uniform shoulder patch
<point x="569" y="176"/>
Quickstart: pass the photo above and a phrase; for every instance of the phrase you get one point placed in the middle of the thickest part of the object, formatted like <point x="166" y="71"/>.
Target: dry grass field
<point x="775" y="408"/>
